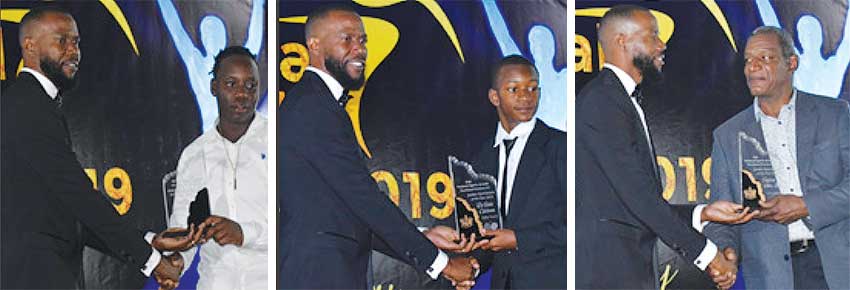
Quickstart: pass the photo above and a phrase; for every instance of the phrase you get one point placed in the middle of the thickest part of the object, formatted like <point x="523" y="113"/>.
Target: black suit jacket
<point x="537" y="215"/>
<point x="330" y="206"/>
<point x="49" y="208"/>
<point x="619" y="208"/>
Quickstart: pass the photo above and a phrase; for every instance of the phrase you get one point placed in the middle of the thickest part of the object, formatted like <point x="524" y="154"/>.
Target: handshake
<point x="223" y="230"/>
<point x="723" y="268"/>
<point x="461" y="271"/>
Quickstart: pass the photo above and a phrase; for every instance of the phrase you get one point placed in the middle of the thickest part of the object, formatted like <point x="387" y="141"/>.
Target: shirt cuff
<point x="149" y="238"/>
<point x="706" y="256"/>
<point x="438" y="265"/>
<point x="153" y="261"/>
<point x="696" y="220"/>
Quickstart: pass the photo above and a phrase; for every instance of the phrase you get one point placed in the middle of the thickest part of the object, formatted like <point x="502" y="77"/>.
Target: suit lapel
<point x="806" y="120"/>
<point x="325" y="97"/>
<point x="624" y="102"/>
<point x="527" y="171"/>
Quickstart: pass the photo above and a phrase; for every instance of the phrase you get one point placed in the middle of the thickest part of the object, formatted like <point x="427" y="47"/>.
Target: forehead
<point x="238" y="64"/>
<point x="54" y="22"/>
<point x="342" y="21"/>
<point x="762" y="42"/>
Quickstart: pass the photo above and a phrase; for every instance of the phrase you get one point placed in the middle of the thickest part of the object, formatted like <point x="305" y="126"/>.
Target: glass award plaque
<point x="757" y="176"/>
<point x="476" y="204"/>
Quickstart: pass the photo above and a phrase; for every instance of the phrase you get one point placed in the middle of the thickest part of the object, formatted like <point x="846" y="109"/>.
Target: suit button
<point x="786" y="257"/>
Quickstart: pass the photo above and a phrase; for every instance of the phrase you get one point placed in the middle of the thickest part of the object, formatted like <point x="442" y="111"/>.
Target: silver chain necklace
<point x="230" y="162"/>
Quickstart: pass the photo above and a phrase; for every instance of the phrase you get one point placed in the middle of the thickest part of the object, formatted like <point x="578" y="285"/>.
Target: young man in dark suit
<point x="49" y="209"/>
<point x="529" y="160"/>
<point x="332" y="213"/>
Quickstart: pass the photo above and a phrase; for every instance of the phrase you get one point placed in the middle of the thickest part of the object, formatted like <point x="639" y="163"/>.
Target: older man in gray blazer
<point x="802" y="234"/>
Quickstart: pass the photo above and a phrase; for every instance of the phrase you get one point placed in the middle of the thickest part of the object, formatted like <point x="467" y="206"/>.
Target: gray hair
<point x="786" y="43"/>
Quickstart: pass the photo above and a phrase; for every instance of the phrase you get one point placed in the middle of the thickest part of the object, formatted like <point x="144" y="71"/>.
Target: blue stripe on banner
<point x="483" y="281"/>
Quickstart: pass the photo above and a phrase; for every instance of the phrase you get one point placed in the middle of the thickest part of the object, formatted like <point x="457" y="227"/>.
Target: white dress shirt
<point x="53" y="91"/>
<point x="521" y="133"/>
<point x="46" y="84"/>
<point x="236" y="177"/>
<point x="710" y="250"/>
<point x="442" y="260"/>
<point x="780" y="134"/>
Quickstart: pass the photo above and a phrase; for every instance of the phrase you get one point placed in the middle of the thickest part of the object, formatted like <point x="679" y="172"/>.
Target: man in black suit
<point x="529" y="160"/>
<point x="331" y="211"/>
<point x="49" y="208"/>
<point x="619" y="209"/>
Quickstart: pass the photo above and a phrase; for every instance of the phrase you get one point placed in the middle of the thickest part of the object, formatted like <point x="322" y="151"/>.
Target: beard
<point x="337" y="70"/>
<point x="651" y="74"/>
<point x="53" y="71"/>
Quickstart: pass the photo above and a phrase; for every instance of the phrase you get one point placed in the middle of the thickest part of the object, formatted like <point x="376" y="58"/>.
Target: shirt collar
<point x="760" y="114"/>
<point x="330" y="82"/>
<point x="46" y="84"/>
<point x="624" y="77"/>
<point x="248" y="132"/>
<point x="521" y="130"/>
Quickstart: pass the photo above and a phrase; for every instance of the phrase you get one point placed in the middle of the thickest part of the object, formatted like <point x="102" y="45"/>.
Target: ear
<point x="493" y="95"/>
<point x="793" y="62"/>
<point x="620" y="40"/>
<point x="28" y="45"/>
<point x="312" y="44"/>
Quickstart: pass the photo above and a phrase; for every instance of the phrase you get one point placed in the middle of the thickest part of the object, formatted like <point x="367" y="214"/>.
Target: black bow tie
<point x="344" y="99"/>
<point x="637" y="95"/>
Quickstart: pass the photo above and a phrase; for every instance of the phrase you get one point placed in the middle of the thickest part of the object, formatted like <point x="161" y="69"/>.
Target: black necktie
<point x="638" y="95"/>
<point x="509" y="143"/>
<point x="344" y="99"/>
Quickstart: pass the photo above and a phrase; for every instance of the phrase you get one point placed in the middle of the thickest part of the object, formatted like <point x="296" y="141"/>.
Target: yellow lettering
<point x="412" y="178"/>
<point x="92" y="174"/>
<point x="690" y="177"/>
<point x="706" y="176"/>
<point x="2" y="58"/>
<point x="583" y="54"/>
<point x="392" y="185"/>
<point x="123" y="192"/>
<point x="667" y="278"/>
<point x="669" y="177"/>
<point x="298" y="62"/>
<point x="445" y="196"/>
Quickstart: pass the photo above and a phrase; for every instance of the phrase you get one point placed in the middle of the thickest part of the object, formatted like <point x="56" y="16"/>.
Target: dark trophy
<point x="199" y="211"/>
<point x="475" y="197"/>
<point x="757" y="176"/>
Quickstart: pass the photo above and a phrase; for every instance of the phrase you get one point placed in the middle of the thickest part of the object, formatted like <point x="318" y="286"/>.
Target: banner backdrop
<point x="143" y="95"/>
<point x="427" y="76"/>
<point x="704" y="83"/>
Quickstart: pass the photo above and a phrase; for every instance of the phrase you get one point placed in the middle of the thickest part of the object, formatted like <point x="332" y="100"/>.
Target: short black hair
<point x="617" y="14"/>
<point x="621" y="11"/>
<point x="513" y="59"/>
<point x="228" y="52"/>
<point x="322" y="12"/>
<point x="36" y="14"/>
